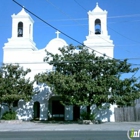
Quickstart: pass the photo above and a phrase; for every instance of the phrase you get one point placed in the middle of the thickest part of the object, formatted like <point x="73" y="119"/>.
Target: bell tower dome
<point x="98" y="38"/>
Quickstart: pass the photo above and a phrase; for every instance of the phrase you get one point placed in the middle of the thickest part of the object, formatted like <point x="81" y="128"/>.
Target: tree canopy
<point x="13" y="85"/>
<point x="83" y="78"/>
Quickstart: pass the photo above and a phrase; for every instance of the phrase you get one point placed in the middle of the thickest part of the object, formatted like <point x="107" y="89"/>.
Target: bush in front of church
<point x="9" y="115"/>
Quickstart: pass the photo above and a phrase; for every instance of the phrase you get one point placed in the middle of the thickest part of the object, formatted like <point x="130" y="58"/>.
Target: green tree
<point x="82" y="78"/>
<point x="14" y="86"/>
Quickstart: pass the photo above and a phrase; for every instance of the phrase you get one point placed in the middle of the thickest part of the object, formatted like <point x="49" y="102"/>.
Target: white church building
<point x="21" y="49"/>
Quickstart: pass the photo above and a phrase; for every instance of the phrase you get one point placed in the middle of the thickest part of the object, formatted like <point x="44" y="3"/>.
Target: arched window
<point x="20" y="29"/>
<point x="97" y="26"/>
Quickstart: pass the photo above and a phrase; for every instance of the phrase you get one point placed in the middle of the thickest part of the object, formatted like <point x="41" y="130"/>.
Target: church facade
<point x="21" y="49"/>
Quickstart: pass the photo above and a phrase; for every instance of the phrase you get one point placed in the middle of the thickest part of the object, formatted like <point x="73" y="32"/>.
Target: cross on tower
<point x="57" y="33"/>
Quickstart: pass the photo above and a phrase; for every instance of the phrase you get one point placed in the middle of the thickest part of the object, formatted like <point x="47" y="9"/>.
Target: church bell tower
<point x="21" y="41"/>
<point x="98" y="38"/>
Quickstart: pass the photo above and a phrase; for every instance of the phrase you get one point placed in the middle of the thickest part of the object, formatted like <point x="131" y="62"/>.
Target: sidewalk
<point x="37" y="126"/>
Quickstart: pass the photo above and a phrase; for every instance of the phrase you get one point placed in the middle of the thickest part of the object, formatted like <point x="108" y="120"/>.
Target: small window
<point x="20" y="29"/>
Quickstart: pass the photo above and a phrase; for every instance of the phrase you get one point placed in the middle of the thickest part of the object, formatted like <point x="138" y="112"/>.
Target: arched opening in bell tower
<point x="20" y="29"/>
<point x="97" y="26"/>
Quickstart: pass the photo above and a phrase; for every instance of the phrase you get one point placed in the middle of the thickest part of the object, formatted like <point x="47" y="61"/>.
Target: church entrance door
<point x="76" y="112"/>
<point x="36" y="110"/>
<point x="56" y="109"/>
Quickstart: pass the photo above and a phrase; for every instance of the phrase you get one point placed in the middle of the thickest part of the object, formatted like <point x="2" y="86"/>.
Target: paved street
<point x="37" y="126"/>
<point x="64" y="135"/>
<point x="61" y="131"/>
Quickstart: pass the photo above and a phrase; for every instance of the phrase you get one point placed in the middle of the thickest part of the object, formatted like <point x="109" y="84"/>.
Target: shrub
<point x="87" y="116"/>
<point x="9" y="115"/>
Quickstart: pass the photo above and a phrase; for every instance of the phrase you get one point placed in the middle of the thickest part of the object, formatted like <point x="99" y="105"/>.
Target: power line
<point x="113" y="29"/>
<point x="70" y="61"/>
<point x="124" y="21"/>
<point x="123" y="35"/>
<point x="72" y="18"/>
<point x="125" y="16"/>
<point x="80" y="5"/>
<point x="120" y="16"/>
<point x="60" y="30"/>
<point x="64" y="13"/>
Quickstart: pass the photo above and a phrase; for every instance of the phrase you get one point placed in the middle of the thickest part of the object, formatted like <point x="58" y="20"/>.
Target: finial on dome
<point x="57" y="33"/>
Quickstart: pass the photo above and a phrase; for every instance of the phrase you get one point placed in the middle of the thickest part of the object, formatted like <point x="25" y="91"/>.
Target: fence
<point x="127" y="114"/>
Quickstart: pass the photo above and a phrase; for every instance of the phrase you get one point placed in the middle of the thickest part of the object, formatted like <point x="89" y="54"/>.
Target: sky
<point x="70" y="17"/>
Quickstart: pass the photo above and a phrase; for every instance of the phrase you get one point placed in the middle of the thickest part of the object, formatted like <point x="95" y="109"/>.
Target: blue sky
<point x="70" y="16"/>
